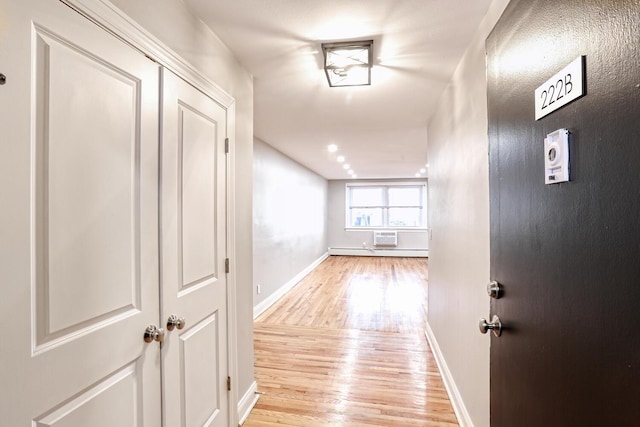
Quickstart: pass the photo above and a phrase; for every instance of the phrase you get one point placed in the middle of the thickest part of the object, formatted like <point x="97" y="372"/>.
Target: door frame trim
<point x="116" y="22"/>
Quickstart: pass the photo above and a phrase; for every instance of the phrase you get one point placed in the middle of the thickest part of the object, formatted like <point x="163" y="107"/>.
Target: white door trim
<point x="122" y="26"/>
<point x="232" y="333"/>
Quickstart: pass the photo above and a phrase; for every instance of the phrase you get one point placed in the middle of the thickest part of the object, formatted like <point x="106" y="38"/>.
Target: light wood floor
<point x="346" y="347"/>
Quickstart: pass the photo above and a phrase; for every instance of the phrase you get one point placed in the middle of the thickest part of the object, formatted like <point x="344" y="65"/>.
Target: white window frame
<point x="385" y="207"/>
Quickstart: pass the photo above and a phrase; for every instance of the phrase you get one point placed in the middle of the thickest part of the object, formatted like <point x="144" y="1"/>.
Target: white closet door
<point x="194" y="284"/>
<point x="79" y="223"/>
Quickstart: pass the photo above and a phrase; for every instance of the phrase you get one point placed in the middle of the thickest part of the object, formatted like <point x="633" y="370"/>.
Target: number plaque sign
<point x="564" y="87"/>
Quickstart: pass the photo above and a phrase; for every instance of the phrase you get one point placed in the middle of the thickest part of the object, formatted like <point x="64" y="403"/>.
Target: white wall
<point x="340" y="238"/>
<point x="172" y="23"/>
<point x="459" y="222"/>
<point x="289" y="219"/>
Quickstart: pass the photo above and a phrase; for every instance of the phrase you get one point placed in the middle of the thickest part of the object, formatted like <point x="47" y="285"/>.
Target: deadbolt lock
<point x="494" y="289"/>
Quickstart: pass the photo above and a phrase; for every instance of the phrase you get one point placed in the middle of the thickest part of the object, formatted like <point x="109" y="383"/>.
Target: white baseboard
<point x="246" y="404"/>
<point x="412" y="253"/>
<point x="264" y="305"/>
<point x="464" y="419"/>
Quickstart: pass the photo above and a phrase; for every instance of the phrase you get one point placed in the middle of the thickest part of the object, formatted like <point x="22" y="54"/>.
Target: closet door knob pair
<point x="153" y="333"/>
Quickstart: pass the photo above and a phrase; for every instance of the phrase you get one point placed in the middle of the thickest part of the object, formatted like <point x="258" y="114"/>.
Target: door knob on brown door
<point x="175" y="322"/>
<point x="153" y="333"/>
<point x="495" y="326"/>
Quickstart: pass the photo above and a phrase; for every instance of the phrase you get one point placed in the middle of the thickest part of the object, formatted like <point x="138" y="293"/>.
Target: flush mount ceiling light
<point x="348" y="63"/>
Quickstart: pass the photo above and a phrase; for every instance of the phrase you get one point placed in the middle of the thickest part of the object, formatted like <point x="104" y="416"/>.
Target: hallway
<point x="346" y="347"/>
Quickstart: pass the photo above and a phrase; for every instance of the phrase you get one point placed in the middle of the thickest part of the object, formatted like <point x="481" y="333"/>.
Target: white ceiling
<point x="381" y="129"/>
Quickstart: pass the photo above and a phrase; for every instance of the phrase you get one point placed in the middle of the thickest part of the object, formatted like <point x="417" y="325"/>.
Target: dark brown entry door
<point x="567" y="255"/>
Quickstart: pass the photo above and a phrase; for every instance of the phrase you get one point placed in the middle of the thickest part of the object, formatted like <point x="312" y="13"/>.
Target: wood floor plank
<point x="346" y="347"/>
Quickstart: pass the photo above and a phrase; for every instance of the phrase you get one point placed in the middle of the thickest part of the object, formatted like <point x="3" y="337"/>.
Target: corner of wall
<point x="247" y="402"/>
<point x="464" y="419"/>
<point x="459" y="258"/>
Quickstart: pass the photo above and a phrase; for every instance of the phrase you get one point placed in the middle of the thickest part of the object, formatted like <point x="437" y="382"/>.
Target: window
<point x="401" y="205"/>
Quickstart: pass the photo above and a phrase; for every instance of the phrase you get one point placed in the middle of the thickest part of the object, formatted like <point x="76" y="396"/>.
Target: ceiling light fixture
<point x="346" y="166"/>
<point x="340" y="159"/>
<point x="332" y="148"/>
<point x="348" y="63"/>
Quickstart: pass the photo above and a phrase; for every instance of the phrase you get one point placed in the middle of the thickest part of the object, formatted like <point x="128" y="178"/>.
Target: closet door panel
<point x="194" y="283"/>
<point x="79" y="249"/>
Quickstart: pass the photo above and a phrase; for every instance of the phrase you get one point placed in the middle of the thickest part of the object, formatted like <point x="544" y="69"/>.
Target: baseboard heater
<point x="385" y="238"/>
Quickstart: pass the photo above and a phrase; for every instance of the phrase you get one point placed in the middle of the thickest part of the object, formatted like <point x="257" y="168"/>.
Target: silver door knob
<point x="494" y="289"/>
<point x="175" y="322"/>
<point x="495" y="326"/>
<point x="153" y="333"/>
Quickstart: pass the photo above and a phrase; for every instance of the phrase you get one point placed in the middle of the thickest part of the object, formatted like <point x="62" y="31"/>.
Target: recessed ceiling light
<point x="346" y="166"/>
<point x="423" y="170"/>
<point x="340" y="159"/>
<point x="332" y="148"/>
<point x="417" y="175"/>
<point x="350" y="172"/>
<point x="354" y="176"/>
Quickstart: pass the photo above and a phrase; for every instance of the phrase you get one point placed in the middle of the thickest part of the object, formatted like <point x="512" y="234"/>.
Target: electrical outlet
<point x="258" y="289"/>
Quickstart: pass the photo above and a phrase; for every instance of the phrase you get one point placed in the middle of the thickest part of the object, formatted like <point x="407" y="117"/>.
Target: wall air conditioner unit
<point x="385" y="238"/>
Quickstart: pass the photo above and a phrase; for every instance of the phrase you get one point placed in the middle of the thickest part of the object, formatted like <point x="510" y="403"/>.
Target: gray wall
<point x="173" y="24"/>
<point x="289" y="219"/>
<point x="341" y="238"/>
<point x="459" y="223"/>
